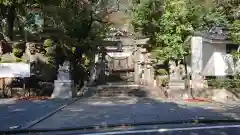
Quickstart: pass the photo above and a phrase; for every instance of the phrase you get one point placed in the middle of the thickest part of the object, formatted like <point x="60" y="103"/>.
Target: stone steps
<point x="128" y="90"/>
<point x="118" y="91"/>
<point x="177" y="84"/>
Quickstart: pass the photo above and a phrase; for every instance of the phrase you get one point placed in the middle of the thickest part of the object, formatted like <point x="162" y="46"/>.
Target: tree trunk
<point x="10" y="21"/>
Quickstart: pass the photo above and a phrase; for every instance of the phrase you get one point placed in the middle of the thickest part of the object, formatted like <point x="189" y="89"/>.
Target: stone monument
<point x="63" y="86"/>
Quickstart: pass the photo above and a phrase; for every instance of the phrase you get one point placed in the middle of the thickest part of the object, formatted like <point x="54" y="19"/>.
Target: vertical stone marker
<point x="63" y="86"/>
<point x="136" y="66"/>
<point x="196" y="63"/>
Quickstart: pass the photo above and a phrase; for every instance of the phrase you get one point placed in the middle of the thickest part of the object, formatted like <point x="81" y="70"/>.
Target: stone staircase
<point x="176" y="84"/>
<point x="119" y="90"/>
<point x="127" y="90"/>
<point x="176" y="88"/>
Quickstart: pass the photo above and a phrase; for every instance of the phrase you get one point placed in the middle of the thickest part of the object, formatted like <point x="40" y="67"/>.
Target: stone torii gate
<point x="134" y="56"/>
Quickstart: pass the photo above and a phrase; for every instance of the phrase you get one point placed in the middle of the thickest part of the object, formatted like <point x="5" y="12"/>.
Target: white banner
<point x="14" y="70"/>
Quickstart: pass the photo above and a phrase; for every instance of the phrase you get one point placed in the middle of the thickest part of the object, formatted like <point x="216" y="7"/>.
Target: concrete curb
<point x="38" y="120"/>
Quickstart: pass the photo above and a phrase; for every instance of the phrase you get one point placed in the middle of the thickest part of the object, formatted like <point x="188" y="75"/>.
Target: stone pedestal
<point x="63" y="86"/>
<point x="63" y="89"/>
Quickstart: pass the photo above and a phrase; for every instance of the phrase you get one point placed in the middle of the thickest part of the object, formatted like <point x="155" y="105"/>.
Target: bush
<point x="164" y="82"/>
<point x="48" y="43"/>
<point x="17" y="52"/>
<point x="51" y="51"/>
<point x="20" y="60"/>
<point x="19" y="45"/>
<point x="224" y="83"/>
<point x="161" y="72"/>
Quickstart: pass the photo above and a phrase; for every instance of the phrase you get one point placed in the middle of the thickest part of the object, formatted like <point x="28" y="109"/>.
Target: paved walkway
<point x="17" y="113"/>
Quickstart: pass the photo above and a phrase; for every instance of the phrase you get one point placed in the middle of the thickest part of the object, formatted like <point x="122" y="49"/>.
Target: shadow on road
<point x="125" y="106"/>
<point x="133" y="106"/>
<point x="17" y="113"/>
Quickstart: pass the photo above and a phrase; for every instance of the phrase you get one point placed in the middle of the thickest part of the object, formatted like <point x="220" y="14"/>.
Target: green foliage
<point x="164" y="82"/>
<point x="236" y="55"/>
<point x="235" y="31"/>
<point x="17" y="59"/>
<point x="161" y="72"/>
<point x="73" y="49"/>
<point x="48" y="43"/>
<point x="17" y="52"/>
<point x="10" y="2"/>
<point x="19" y="45"/>
<point x="77" y="23"/>
<point x="229" y="84"/>
<point x="145" y="15"/>
<point x="229" y="8"/>
<point x="173" y="25"/>
<point x="5" y="61"/>
<point x="86" y="60"/>
<point x="51" y="61"/>
<point x="34" y="22"/>
<point x="20" y="60"/>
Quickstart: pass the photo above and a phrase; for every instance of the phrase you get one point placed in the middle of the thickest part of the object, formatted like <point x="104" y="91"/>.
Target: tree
<point x="16" y="10"/>
<point x="73" y="25"/>
<point x="171" y="23"/>
<point x="174" y="24"/>
<point x="80" y="23"/>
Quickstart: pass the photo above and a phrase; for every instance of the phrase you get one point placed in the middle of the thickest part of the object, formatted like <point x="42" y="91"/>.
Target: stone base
<point x="63" y="89"/>
<point x="217" y="95"/>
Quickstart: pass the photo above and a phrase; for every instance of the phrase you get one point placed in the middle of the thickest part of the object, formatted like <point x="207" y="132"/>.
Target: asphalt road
<point x="126" y="110"/>
<point x="112" y="110"/>
<point x="17" y="113"/>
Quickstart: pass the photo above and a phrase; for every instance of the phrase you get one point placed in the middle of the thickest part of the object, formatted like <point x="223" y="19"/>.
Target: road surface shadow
<point x="16" y="113"/>
<point x="130" y="107"/>
<point x="103" y="111"/>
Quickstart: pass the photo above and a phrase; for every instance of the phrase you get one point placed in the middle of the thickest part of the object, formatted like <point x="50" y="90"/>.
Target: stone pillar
<point x="151" y="81"/>
<point x="96" y="58"/>
<point x="136" y="67"/>
<point x="141" y="73"/>
<point x="129" y="62"/>
<point x="148" y="79"/>
<point x="103" y="67"/>
<point x="196" y="62"/>
<point x="173" y="71"/>
<point x="146" y="71"/>
<point x="145" y="75"/>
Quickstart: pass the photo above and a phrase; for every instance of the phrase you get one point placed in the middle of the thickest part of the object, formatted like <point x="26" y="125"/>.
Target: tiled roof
<point x="215" y="33"/>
